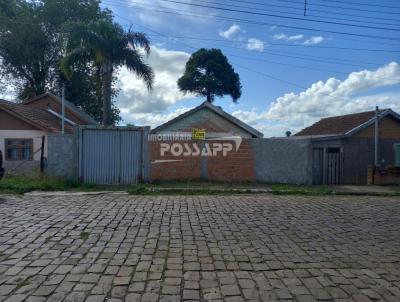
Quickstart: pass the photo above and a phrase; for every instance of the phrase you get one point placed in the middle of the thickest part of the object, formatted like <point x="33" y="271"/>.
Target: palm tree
<point x="108" y="46"/>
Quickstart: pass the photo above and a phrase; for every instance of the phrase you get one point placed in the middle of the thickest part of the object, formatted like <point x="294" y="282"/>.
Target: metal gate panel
<point x="100" y="156"/>
<point x="318" y="166"/>
<point x="111" y="156"/>
<point x="131" y="159"/>
<point x="333" y="163"/>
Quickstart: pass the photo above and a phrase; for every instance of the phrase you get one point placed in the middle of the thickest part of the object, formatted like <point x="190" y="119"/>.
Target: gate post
<point x="76" y="152"/>
<point x="145" y="154"/>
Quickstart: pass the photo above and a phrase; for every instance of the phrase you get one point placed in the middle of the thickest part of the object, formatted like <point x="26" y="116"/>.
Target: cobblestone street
<point x="200" y="248"/>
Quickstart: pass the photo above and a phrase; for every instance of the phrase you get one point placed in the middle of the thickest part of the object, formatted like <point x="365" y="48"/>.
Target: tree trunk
<point x="209" y="98"/>
<point x="106" y="80"/>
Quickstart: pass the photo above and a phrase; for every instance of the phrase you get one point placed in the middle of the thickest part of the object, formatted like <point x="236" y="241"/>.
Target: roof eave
<point x="81" y="114"/>
<point x="234" y="120"/>
<point x="371" y="121"/>
<point x="26" y="120"/>
<point x="216" y="110"/>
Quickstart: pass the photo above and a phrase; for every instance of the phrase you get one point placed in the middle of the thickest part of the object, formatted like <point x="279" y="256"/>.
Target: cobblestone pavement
<point x="207" y="248"/>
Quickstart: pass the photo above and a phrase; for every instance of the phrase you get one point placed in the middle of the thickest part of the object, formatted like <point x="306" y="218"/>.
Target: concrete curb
<point x="216" y="190"/>
<point x="68" y="193"/>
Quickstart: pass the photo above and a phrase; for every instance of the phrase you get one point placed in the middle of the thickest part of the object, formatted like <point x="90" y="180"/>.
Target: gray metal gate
<point x="318" y="166"/>
<point x="327" y="166"/>
<point x="115" y="156"/>
<point x="333" y="166"/>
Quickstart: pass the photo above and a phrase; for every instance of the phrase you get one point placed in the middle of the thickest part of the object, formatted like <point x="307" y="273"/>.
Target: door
<point x="333" y="166"/>
<point x="318" y="166"/>
<point x="111" y="156"/>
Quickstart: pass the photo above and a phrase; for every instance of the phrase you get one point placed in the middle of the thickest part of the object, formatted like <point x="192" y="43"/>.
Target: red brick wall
<point x="236" y="166"/>
<point x="186" y="168"/>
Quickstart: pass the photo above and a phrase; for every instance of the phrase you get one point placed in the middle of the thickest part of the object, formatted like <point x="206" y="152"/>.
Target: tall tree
<point x="33" y="40"/>
<point x="208" y="73"/>
<point x="109" y="47"/>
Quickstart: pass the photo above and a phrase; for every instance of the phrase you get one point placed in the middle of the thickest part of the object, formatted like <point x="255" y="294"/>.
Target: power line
<point x="307" y="58"/>
<point x="342" y="38"/>
<point x="313" y="9"/>
<point x="287" y="64"/>
<point x="345" y="8"/>
<point x="310" y="9"/>
<point x="271" y="77"/>
<point x="278" y="16"/>
<point x="296" y="14"/>
<point x="291" y="54"/>
<point x="248" y="58"/>
<point x="252" y="22"/>
<point x="290" y="45"/>
<point x="364" y="4"/>
<point x="187" y="45"/>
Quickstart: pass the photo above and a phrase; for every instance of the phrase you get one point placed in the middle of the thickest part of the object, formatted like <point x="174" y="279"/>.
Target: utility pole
<point x="376" y="163"/>
<point x="305" y="7"/>
<point x="63" y="110"/>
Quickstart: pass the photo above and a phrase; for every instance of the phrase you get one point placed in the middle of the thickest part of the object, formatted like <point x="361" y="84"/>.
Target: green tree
<point x="109" y="47"/>
<point x="208" y="73"/>
<point x="33" y="37"/>
<point x="33" y="40"/>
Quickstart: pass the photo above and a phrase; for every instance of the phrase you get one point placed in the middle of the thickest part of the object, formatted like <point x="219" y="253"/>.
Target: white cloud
<point x="145" y="11"/>
<point x="309" y="41"/>
<point x="333" y="97"/>
<point x="7" y="91"/>
<point x="314" y="40"/>
<point x="255" y="44"/>
<point x="287" y="38"/>
<point x="154" y="119"/>
<point x="230" y="32"/>
<point x="134" y="98"/>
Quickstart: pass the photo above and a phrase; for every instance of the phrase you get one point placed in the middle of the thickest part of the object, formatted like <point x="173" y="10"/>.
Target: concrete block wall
<point x="60" y="159"/>
<point x="19" y="167"/>
<point x="282" y="160"/>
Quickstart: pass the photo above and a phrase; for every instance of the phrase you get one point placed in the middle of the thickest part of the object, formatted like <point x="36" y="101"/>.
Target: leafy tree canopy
<point x="208" y="73"/>
<point x="33" y="40"/>
<point x="108" y="46"/>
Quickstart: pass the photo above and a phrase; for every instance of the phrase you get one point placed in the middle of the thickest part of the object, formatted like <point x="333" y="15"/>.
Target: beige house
<point x="24" y="127"/>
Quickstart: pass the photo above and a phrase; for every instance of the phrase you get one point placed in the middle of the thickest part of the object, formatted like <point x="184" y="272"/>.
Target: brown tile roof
<point x="40" y="118"/>
<point x="83" y="116"/>
<point x="337" y="125"/>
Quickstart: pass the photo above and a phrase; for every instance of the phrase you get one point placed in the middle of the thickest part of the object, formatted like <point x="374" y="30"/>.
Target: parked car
<point x="1" y="166"/>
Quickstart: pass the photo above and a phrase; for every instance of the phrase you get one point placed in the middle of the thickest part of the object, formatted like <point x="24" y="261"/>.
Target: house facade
<point x="343" y="147"/>
<point x="24" y="129"/>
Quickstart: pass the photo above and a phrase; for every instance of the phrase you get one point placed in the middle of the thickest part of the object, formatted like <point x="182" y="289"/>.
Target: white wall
<point x="36" y="135"/>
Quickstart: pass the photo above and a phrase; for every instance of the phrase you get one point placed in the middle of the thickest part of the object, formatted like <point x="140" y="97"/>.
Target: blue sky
<point x="291" y="77"/>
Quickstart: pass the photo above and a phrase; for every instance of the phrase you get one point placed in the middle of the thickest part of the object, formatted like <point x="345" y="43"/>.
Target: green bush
<point x="23" y="184"/>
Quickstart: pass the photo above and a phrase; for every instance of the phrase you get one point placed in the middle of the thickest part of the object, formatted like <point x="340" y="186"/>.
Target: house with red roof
<point x="25" y="126"/>
<point x="343" y="147"/>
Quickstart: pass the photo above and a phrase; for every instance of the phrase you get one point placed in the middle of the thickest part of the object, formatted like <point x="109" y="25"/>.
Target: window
<point x="19" y="149"/>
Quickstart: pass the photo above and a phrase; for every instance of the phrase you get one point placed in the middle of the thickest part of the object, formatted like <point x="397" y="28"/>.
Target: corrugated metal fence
<point x="114" y="156"/>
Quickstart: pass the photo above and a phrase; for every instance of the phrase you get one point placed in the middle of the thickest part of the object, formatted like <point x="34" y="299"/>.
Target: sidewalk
<point x="367" y="190"/>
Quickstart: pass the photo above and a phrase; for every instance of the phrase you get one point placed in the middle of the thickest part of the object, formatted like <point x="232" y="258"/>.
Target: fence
<point x="124" y="155"/>
<point x="61" y="155"/>
<point x="262" y="160"/>
<point x="98" y="155"/>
